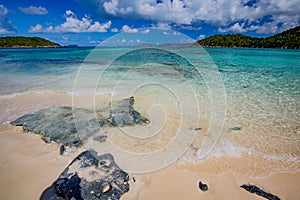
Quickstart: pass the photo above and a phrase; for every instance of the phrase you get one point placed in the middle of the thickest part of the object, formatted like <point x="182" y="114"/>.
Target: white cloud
<point x="93" y="41"/>
<point x="5" y="31"/>
<point x="3" y="10"/>
<point x="127" y="29"/>
<point x="176" y="33"/>
<point x="114" y="30"/>
<point x="145" y="31"/>
<point x="38" y="28"/>
<point x="166" y="33"/>
<point x="162" y="26"/>
<point x="236" y="28"/>
<point x="6" y="25"/>
<point x="32" y="10"/>
<point x="65" y="38"/>
<point x="266" y="28"/>
<point x="190" y="13"/>
<point x="194" y="27"/>
<point x="201" y="36"/>
<point x="269" y="28"/>
<point x="73" y="25"/>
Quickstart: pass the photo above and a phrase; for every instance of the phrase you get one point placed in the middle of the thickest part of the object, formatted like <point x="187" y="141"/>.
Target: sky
<point x="89" y="22"/>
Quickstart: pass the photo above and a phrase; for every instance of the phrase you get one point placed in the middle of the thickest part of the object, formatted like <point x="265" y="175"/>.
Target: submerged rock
<point x="71" y="126"/>
<point x="89" y="177"/>
<point x="256" y="190"/>
<point x="123" y="114"/>
<point x="100" y="138"/>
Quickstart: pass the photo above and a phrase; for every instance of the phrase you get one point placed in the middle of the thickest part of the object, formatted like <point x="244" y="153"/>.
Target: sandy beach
<point x="29" y="166"/>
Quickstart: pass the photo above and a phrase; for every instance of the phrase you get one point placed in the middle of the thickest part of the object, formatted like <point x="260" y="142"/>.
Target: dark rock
<point x="198" y="129"/>
<point x="203" y="186"/>
<point x="254" y="189"/>
<point x="131" y="101"/>
<point x="68" y="188"/>
<point x="59" y="123"/>
<point x="235" y="128"/>
<point x="138" y="118"/>
<point x="90" y="177"/>
<point x="62" y="149"/>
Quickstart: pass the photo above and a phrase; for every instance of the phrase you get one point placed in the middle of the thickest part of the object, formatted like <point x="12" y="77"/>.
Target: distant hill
<point x="25" y="42"/>
<point x="288" y="39"/>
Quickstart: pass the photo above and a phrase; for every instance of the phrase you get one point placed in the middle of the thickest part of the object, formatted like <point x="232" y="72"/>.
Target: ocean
<point x="216" y="102"/>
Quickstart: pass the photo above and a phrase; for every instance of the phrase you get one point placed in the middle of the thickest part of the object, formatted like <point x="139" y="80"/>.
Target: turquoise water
<point x="253" y="70"/>
<point x="275" y="71"/>
<point x="262" y="86"/>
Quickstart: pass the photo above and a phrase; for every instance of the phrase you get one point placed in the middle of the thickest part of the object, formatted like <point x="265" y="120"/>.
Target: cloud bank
<point x="261" y="16"/>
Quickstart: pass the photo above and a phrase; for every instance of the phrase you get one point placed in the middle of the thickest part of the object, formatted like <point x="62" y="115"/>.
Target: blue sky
<point x="88" y="22"/>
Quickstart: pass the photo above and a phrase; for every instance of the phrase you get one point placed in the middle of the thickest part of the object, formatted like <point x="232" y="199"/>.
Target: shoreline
<point x="228" y="147"/>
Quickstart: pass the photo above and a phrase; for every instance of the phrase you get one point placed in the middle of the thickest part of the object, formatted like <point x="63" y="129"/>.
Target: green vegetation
<point x="25" y="42"/>
<point x="288" y="39"/>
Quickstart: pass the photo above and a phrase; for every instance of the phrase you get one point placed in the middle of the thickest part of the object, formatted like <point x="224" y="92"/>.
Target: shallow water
<point x="261" y="88"/>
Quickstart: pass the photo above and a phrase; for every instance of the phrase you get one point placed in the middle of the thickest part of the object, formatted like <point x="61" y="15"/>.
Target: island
<point x="289" y="39"/>
<point x="26" y="42"/>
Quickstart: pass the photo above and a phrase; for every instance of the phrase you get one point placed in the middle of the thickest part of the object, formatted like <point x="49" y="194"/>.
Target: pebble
<point x="106" y="188"/>
<point x="203" y="186"/>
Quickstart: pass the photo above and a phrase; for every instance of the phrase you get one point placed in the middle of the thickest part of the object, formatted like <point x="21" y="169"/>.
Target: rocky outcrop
<point x="88" y="177"/>
<point x="60" y="124"/>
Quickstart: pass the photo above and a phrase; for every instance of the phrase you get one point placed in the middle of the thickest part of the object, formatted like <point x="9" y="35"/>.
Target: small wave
<point x="12" y="95"/>
<point x="279" y="158"/>
<point x="228" y="148"/>
<point x="33" y="92"/>
<point x="225" y="147"/>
